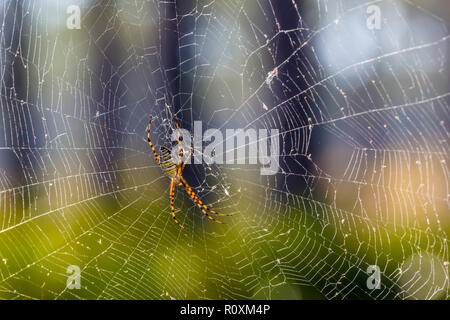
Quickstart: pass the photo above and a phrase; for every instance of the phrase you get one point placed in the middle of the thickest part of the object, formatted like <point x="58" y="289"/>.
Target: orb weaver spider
<point x="174" y="170"/>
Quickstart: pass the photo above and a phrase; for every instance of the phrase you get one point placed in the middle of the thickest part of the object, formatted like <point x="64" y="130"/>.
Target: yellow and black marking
<point x="172" y="199"/>
<point x="166" y="162"/>
<point x="150" y="142"/>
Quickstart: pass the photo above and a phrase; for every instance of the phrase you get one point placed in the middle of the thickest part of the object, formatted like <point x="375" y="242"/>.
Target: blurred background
<point x="359" y="91"/>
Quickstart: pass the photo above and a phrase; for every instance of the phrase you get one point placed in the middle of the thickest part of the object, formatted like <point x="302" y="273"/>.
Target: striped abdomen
<point x="166" y="162"/>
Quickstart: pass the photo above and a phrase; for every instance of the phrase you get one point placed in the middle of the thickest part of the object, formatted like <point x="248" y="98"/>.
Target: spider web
<point x="363" y="121"/>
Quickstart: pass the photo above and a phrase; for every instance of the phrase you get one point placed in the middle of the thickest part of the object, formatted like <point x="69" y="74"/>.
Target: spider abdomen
<point x="167" y="163"/>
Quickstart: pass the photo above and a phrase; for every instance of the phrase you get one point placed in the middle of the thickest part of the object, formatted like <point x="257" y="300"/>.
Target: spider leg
<point x="199" y="203"/>
<point x="180" y="152"/>
<point x="172" y="199"/>
<point x="185" y="161"/>
<point x="150" y="142"/>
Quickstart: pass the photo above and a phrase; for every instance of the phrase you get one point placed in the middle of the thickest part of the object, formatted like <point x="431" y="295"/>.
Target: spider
<point x="174" y="170"/>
